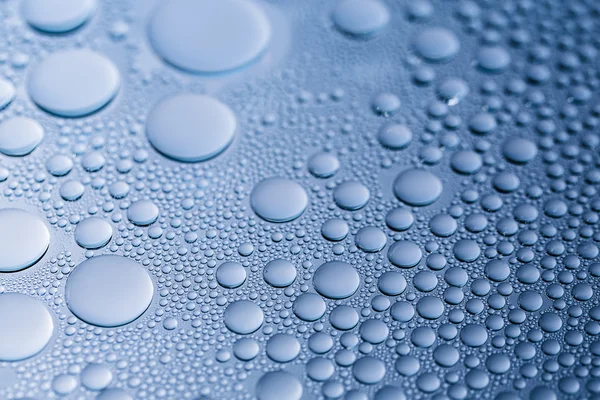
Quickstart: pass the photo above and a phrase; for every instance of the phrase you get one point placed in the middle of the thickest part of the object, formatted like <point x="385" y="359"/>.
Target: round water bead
<point x="24" y="239"/>
<point x="74" y="83"/>
<point x="208" y="36"/>
<point x="191" y="127"/>
<point x="109" y="291"/>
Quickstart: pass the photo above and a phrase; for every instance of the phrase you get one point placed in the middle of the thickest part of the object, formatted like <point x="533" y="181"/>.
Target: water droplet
<point x="278" y="385"/>
<point x="191" y="127"/>
<point x="483" y="123"/>
<point x="370" y="239"/>
<point x="399" y="219"/>
<point x="7" y="93"/>
<point x="374" y="331"/>
<point x="392" y="283"/>
<point x="283" y="348"/>
<point x="109" y="291"/>
<point x="93" y="233"/>
<point x="59" y="16"/>
<point x="279" y="273"/>
<point x="64" y="384"/>
<point x="243" y="317"/>
<point x="466" y="162"/>
<point x="336" y="280"/>
<point x="24" y="239"/>
<point x="320" y="369"/>
<point x="519" y="150"/>
<point x="323" y="165"/>
<point x="231" y="275"/>
<point x="246" y="349"/>
<point x="395" y="136"/>
<point x="443" y="225"/>
<point x="417" y="187"/>
<point x="404" y="254"/>
<point x="19" y="136"/>
<point x="309" y="307"/>
<point x="71" y="190"/>
<point x="26" y="329"/>
<point x="96" y="376"/>
<point x="436" y="44"/>
<point x="419" y="9"/>
<point x="360" y="17"/>
<point x="473" y="335"/>
<point x="430" y="307"/>
<point x="59" y="165"/>
<point x="493" y="59"/>
<point x="334" y="229"/>
<point x="226" y="34"/>
<point x="143" y="212"/>
<point x="278" y="200"/>
<point x="343" y="318"/>
<point x="351" y="195"/>
<point x="368" y="370"/>
<point x="74" y="83"/>
<point x="453" y="91"/>
<point x="386" y="104"/>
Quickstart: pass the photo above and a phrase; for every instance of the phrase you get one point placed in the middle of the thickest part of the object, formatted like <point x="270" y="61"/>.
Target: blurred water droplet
<point x="59" y="16"/>
<point x="27" y="326"/>
<point x="209" y="37"/>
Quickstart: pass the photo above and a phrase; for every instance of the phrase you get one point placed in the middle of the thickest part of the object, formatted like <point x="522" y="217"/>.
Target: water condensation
<point x="255" y="199"/>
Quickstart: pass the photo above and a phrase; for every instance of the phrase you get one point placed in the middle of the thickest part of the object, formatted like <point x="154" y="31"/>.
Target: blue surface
<point x="299" y="200"/>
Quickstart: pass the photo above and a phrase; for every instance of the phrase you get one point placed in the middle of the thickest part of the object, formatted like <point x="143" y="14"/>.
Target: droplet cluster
<point x="251" y="199"/>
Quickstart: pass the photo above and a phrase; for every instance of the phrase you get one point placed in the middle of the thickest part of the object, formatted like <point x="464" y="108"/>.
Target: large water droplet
<point x="7" y="93"/>
<point x="93" y="233"/>
<point x="309" y="307"/>
<point x="109" y="291"/>
<point x="243" y="317"/>
<point x="343" y="318"/>
<point x="57" y="16"/>
<point x="360" y="17"/>
<point x="519" y="150"/>
<point x="279" y="273"/>
<point x="417" y="187"/>
<point x="59" y="165"/>
<point x="404" y="254"/>
<point x="283" y="348"/>
<point x="368" y="370"/>
<point x="246" y="349"/>
<point x="493" y="59"/>
<point x="323" y="165"/>
<point x="278" y="200"/>
<point x="436" y="44"/>
<point x="370" y="239"/>
<point x="395" y="136"/>
<point x="26" y="326"/>
<point x="336" y="280"/>
<point x="24" y="238"/>
<point x="231" y="275"/>
<point x="143" y="212"/>
<point x="19" y="136"/>
<point x="74" y="83"/>
<point x="278" y="385"/>
<point x="209" y="36"/>
<point x="190" y="127"/>
<point x="351" y="195"/>
<point x="96" y="376"/>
